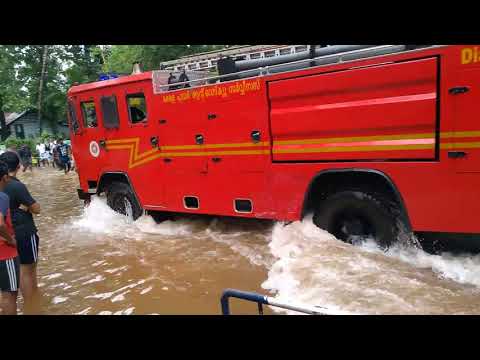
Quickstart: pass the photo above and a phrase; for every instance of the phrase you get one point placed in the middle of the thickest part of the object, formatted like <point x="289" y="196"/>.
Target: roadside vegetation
<point x="38" y="76"/>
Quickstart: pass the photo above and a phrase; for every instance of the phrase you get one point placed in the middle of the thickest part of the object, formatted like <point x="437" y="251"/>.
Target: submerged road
<point x="94" y="261"/>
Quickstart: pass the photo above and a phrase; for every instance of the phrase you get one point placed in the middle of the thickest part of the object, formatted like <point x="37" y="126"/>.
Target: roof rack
<point x="323" y="57"/>
<point x="208" y="60"/>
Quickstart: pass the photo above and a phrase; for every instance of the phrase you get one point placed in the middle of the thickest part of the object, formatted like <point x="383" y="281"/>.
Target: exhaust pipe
<point x="137" y="68"/>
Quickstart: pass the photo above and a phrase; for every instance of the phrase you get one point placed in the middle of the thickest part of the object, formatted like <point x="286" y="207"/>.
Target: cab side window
<point x="137" y="108"/>
<point x="89" y="114"/>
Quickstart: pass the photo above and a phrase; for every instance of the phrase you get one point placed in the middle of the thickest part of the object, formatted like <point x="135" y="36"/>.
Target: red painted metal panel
<point x="466" y="134"/>
<point x="381" y="112"/>
<point x="356" y="114"/>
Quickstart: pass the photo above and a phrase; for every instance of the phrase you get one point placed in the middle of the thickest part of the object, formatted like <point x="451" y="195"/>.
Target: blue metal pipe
<point x="229" y="293"/>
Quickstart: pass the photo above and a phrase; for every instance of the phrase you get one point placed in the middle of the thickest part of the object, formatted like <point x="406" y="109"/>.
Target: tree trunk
<point x="4" y="131"/>
<point x="104" y="60"/>
<point x="40" y="88"/>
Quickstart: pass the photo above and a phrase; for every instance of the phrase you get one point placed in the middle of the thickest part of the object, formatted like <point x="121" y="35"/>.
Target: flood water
<point x="94" y="261"/>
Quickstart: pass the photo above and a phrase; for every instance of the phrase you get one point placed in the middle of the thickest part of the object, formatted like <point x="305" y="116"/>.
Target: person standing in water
<point x="9" y="264"/>
<point x="26" y="157"/>
<point x="64" y="151"/>
<point x="22" y="208"/>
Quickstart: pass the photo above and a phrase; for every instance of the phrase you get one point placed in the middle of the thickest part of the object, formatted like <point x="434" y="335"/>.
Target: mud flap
<point x="86" y="197"/>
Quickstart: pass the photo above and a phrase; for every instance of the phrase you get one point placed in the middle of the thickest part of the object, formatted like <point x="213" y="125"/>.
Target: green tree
<point x="85" y="63"/>
<point x="40" y="69"/>
<point x="12" y="96"/>
<point x="121" y="57"/>
<point x="38" y="76"/>
<point x="12" y="93"/>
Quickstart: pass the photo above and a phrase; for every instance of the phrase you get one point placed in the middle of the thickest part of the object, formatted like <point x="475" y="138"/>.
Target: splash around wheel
<point x="354" y="216"/>
<point x="121" y="199"/>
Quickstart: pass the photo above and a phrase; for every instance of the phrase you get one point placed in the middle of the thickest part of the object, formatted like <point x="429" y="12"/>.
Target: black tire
<point x="160" y="217"/>
<point x="353" y="214"/>
<point x="119" y="195"/>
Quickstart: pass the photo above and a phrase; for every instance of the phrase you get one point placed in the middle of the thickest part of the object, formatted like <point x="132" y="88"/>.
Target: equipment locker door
<point x="181" y="138"/>
<point x="382" y="112"/>
<point x="237" y="149"/>
<point x="463" y="145"/>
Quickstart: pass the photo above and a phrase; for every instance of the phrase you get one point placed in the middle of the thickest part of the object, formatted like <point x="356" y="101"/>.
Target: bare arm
<point x="26" y="200"/>
<point x="5" y="234"/>
<point x="34" y="208"/>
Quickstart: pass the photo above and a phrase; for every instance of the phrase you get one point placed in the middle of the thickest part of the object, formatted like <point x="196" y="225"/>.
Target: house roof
<point x="11" y="117"/>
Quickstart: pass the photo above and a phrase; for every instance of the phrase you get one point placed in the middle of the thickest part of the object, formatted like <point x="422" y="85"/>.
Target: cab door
<point x="134" y="149"/>
<point x="90" y="135"/>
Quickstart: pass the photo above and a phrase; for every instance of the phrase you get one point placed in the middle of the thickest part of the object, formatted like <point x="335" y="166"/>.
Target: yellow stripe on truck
<point x="356" y="139"/>
<point x="137" y="159"/>
<point x="365" y="148"/>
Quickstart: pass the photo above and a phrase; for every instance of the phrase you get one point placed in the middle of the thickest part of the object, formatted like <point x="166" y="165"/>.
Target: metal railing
<point x="265" y="300"/>
<point x="344" y="57"/>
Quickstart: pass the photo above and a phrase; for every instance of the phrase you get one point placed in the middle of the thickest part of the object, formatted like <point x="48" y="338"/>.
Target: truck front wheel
<point x="121" y="199"/>
<point x="354" y="216"/>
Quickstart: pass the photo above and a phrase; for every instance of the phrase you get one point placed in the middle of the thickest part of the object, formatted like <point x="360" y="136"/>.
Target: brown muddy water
<point x="94" y="261"/>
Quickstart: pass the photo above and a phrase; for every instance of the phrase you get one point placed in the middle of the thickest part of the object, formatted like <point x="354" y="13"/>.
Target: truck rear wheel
<point x="353" y="216"/>
<point x="121" y="199"/>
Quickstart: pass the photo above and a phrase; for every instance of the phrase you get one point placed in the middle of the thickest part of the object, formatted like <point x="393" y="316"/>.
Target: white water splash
<point x="310" y="266"/>
<point x="249" y="239"/>
<point x="464" y="269"/>
<point x="59" y="299"/>
<point x="313" y="267"/>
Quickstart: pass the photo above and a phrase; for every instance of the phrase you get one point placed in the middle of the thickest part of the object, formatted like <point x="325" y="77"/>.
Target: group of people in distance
<point x="55" y="153"/>
<point x="19" y="239"/>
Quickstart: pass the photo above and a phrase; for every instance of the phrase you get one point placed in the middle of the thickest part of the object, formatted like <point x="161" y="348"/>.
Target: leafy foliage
<point x="18" y="143"/>
<point x="121" y="57"/>
<point x="21" y="70"/>
<point x="12" y="95"/>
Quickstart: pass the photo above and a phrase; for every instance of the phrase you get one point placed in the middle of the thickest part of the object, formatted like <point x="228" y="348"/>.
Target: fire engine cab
<point x="374" y="140"/>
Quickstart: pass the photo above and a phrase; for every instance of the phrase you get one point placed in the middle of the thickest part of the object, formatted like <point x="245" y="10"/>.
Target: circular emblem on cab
<point x="94" y="149"/>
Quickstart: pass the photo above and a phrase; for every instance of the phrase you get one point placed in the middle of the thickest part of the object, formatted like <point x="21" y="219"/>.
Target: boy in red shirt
<point x="9" y="265"/>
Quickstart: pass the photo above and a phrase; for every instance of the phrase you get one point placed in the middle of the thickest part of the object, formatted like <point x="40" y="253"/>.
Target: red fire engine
<point x="371" y="139"/>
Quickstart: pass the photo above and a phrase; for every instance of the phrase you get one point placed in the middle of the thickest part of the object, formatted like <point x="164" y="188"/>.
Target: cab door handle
<point x="456" y="154"/>
<point x="154" y="141"/>
<point x="199" y="140"/>
<point x="256" y="135"/>
<point x="458" y="90"/>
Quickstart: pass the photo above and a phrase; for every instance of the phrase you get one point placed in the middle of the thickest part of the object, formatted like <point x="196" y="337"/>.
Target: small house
<point x="25" y="125"/>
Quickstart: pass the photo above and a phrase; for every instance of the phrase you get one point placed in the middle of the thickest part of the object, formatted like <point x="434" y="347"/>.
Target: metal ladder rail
<point x="195" y="60"/>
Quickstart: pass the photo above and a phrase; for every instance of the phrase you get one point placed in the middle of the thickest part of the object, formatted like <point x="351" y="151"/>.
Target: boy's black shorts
<point x="9" y="275"/>
<point x="27" y="247"/>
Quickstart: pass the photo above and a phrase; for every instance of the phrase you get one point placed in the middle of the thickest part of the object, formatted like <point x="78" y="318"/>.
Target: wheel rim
<point x="128" y="209"/>
<point x="123" y="206"/>
<point x="353" y="227"/>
